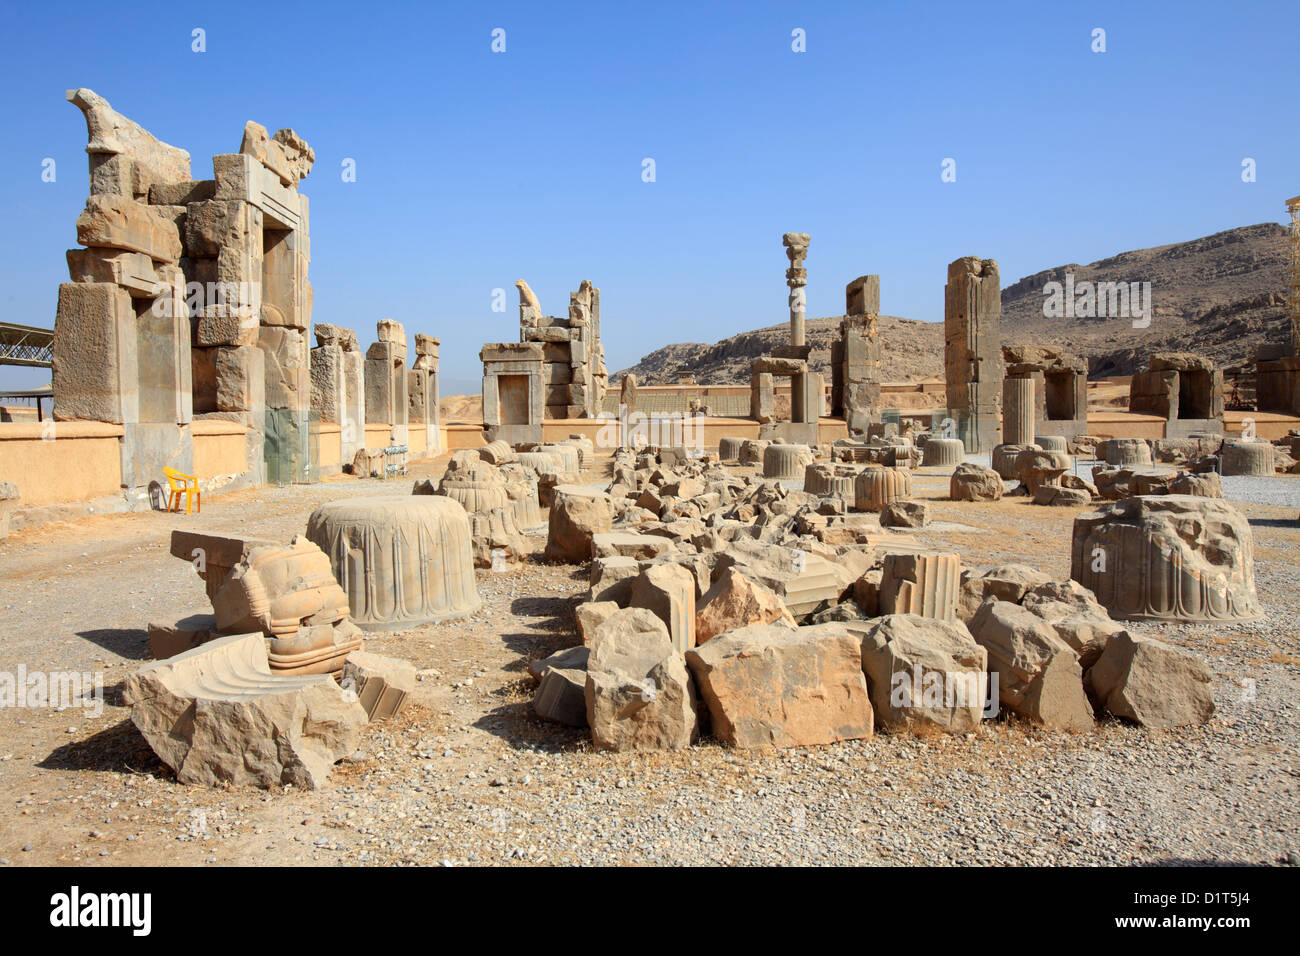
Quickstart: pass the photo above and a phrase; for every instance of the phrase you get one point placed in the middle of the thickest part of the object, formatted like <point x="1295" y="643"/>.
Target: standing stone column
<point x="972" y="318"/>
<point x="423" y="392"/>
<point x="1018" y="411"/>
<point x="796" y="277"/>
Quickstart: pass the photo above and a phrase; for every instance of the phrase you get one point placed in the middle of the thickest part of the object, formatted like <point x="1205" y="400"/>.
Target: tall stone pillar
<point x="796" y="277"/>
<point x="1018" y="411"/>
<point x="858" y="365"/>
<point x="386" y="384"/>
<point x="423" y="392"/>
<point x="973" y="350"/>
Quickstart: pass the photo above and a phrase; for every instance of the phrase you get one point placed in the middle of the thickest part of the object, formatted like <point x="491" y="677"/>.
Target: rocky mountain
<point x="1222" y="296"/>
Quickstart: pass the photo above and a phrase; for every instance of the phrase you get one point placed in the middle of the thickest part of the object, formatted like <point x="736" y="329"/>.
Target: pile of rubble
<point x="775" y="615"/>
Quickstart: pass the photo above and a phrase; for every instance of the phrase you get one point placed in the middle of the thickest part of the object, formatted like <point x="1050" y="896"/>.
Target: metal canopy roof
<point x="25" y="345"/>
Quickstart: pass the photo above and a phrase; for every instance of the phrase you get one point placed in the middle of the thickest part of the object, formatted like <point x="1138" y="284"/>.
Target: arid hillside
<point x="1222" y="295"/>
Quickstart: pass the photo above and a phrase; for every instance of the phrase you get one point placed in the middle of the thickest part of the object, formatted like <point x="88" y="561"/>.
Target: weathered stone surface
<point x="119" y="223"/>
<point x="1206" y="485"/>
<point x="1168" y="557"/>
<point x="1247" y="457"/>
<point x="1004" y="457"/>
<point x="612" y="578"/>
<point x="561" y="694"/>
<point x="591" y="614"/>
<point x="1061" y="497"/>
<point x="1007" y="582"/>
<point x="668" y="591"/>
<point x="1039" y="676"/>
<point x="110" y="134"/>
<point x="786" y="462"/>
<point x="923" y="584"/>
<point x="639" y="695"/>
<point x="1155" y="684"/>
<point x="1036" y="468"/>
<point x="631" y="544"/>
<point x="774" y="686"/>
<point x="1076" y="616"/>
<point x="971" y="482"/>
<point x="734" y="601"/>
<point x="218" y="715"/>
<point x="1127" y="452"/>
<point x="577" y="515"/>
<point x="905" y="514"/>
<point x="924" y="673"/>
<point x="381" y="684"/>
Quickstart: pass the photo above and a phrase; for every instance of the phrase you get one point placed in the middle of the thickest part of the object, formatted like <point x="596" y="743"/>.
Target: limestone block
<point x="631" y="544"/>
<point x="612" y="579"/>
<point x="590" y="615"/>
<point x="752" y="451"/>
<point x="1007" y="582"/>
<point x="110" y="133"/>
<point x="876" y="487"/>
<point x="1167" y="557"/>
<point x="400" y="561"/>
<point x="668" y="591"/>
<point x="217" y="715"/>
<point x="95" y="354"/>
<point x="734" y="601"/>
<point x="168" y="640"/>
<point x="119" y="223"/>
<point x="775" y="686"/>
<point x="1039" y="676"/>
<point x="1052" y="443"/>
<point x="971" y="482"/>
<point x="905" y="514"/>
<point x="639" y="695"/>
<point x="240" y="379"/>
<point x="924" y="674"/>
<point x="561" y="695"/>
<point x="221" y="224"/>
<point x="922" y="584"/>
<point x="132" y="270"/>
<point x="827" y="479"/>
<point x="1152" y="683"/>
<point x="287" y="367"/>
<point x="381" y="684"/>
<point x="577" y="514"/>
<point x="286" y="154"/>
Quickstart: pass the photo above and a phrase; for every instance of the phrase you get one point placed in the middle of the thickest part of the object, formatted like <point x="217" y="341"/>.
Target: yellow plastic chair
<point x="186" y="485"/>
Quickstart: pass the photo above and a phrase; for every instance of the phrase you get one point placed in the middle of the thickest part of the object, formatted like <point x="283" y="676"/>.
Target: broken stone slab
<point x="905" y="514"/>
<point x="1039" y="675"/>
<point x="668" y="591"/>
<point x="639" y="695"/>
<point x="971" y="482"/>
<point x="577" y="515"/>
<point x="631" y="544"/>
<point x="218" y="715"/>
<point x="168" y="640"/>
<point x="381" y="684"/>
<point x="115" y="222"/>
<point x="734" y="601"/>
<point x="775" y="686"/>
<point x="1007" y="582"/>
<point x="561" y="695"/>
<point x="924" y="673"/>
<point x="111" y="133"/>
<point x="590" y="615"/>
<point x="612" y="579"/>
<point x="1076" y="616"/>
<point x="1152" y="683"/>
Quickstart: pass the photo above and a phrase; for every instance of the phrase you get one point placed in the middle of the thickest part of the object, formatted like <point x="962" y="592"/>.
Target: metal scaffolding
<point x="25" y="345"/>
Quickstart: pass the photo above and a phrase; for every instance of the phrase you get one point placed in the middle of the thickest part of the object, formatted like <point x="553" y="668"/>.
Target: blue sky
<point x="476" y="168"/>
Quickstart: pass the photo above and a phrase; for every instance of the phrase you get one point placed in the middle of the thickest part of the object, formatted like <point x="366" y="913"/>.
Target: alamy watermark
<point x="934" y="689"/>
<point x="635" y="430"/>
<point x="1093" y="300"/>
<point x="59" y="690"/>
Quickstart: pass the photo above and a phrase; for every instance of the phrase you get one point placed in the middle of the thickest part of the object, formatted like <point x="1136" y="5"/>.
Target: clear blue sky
<point x="476" y="168"/>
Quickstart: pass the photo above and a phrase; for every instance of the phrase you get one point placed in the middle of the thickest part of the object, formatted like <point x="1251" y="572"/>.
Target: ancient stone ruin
<point x="855" y="358"/>
<point x="1185" y="390"/>
<point x="789" y="361"/>
<point x="555" y="371"/>
<point x="973" y="350"/>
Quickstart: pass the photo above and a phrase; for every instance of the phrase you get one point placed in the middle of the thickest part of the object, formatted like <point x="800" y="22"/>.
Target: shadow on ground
<point x="128" y="642"/>
<point x="119" y="749"/>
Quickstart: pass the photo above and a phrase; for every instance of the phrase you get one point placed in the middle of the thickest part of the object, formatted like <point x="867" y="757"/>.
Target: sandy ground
<point x="467" y="774"/>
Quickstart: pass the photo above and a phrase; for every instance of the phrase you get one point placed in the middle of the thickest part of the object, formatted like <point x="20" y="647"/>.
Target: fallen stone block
<point x="218" y="715"/>
<point x="1039" y="676"/>
<point x="577" y="515"/>
<point x="668" y="590"/>
<point x="734" y="601"/>
<point x="381" y="684"/>
<point x="639" y="695"/>
<point x="924" y="673"/>
<point x="168" y="640"/>
<point x="1007" y="582"/>
<point x="972" y="482"/>
<point x="924" y="584"/>
<point x="1155" y="684"/>
<point x="591" y="614"/>
<point x="773" y="686"/>
<point x="905" y="514"/>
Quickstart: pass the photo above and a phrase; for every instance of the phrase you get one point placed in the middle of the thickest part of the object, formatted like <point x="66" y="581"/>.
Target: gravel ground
<point x="467" y="774"/>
